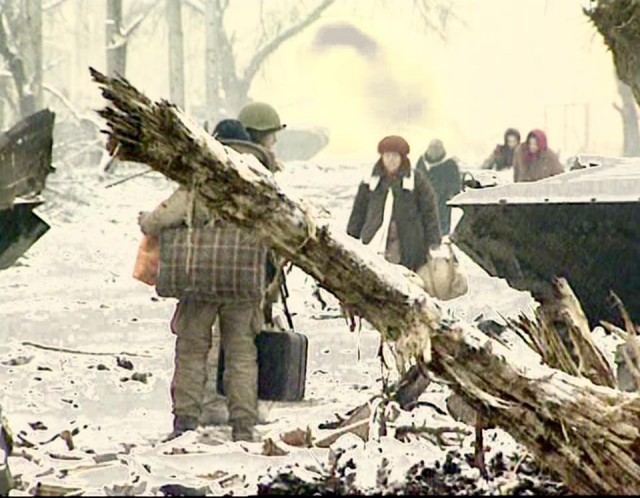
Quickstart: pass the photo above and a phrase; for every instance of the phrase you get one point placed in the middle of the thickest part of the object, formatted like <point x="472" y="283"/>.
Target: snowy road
<point x="73" y="290"/>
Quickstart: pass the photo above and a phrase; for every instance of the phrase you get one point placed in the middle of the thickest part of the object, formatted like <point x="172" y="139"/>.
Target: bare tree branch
<point x="135" y="24"/>
<point x="196" y="5"/>
<point x="437" y="14"/>
<point x="262" y="54"/>
<point x="76" y="114"/>
<point x="15" y="65"/>
<point x="56" y="93"/>
<point x="52" y="64"/>
<point x="52" y="5"/>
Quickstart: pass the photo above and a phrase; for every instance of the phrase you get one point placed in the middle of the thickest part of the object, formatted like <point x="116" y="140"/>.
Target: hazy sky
<point x="523" y="63"/>
<point x="510" y="64"/>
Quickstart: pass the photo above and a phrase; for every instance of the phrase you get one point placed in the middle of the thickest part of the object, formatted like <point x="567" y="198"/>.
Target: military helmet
<point x="260" y="116"/>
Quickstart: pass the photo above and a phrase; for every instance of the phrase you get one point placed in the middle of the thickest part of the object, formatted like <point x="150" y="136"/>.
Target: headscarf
<point x="541" y="138"/>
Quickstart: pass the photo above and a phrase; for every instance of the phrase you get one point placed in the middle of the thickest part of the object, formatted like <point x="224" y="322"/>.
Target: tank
<point x="25" y="163"/>
<point x="583" y="225"/>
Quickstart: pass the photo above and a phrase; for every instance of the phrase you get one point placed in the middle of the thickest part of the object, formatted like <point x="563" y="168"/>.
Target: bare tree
<point x="12" y="24"/>
<point x="618" y="21"/>
<point x="116" y="43"/>
<point x="176" y="52"/>
<point x="118" y="34"/>
<point x="81" y="56"/>
<point x="436" y="15"/>
<point x="629" y="114"/>
<point x="227" y="86"/>
<point x="31" y="47"/>
<point x="214" y="27"/>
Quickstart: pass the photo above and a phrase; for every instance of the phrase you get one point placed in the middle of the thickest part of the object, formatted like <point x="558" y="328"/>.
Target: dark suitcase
<point x="282" y="366"/>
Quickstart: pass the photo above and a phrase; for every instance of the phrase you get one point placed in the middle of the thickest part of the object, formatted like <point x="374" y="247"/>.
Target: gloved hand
<point x="142" y="215"/>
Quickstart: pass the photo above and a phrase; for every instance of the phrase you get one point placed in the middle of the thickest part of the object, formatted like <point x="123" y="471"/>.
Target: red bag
<point x="147" y="260"/>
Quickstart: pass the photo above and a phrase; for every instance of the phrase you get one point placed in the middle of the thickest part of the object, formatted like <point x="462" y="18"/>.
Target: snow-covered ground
<point x="74" y="290"/>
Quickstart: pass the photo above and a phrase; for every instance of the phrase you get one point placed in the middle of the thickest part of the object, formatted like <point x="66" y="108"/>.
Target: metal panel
<point x="594" y="246"/>
<point x="21" y="228"/>
<point x="607" y="180"/>
<point x="25" y="157"/>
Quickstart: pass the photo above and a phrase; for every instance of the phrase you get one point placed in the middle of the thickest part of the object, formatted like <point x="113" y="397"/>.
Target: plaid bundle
<point x="217" y="262"/>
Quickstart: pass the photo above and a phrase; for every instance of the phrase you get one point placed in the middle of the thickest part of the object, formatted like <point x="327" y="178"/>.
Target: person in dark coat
<point x="395" y="210"/>
<point x="444" y="175"/>
<point x="503" y="155"/>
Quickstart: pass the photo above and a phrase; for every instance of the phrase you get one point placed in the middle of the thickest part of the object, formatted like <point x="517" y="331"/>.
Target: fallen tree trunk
<point x="589" y="435"/>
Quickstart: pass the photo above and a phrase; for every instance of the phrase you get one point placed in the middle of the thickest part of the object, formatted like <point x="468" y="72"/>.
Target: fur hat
<point x="435" y="152"/>
<point x="394" y="143"/>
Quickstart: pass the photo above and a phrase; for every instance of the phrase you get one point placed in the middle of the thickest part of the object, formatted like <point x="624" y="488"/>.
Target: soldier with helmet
<point x="224" y="280"/>
<point x="262" y="122"/>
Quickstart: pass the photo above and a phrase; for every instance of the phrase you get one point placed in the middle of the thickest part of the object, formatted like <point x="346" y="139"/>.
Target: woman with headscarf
<point x="533" y="160"/>
<point x="502" y="156"/>
<point x="395" y="211"/>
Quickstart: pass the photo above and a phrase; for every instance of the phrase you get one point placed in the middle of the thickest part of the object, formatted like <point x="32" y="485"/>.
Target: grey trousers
<point x="192" y="324"/>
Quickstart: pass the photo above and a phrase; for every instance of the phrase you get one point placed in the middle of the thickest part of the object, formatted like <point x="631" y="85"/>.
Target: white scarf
<point x="379" y="241"/>
<point x="429" y="165"/>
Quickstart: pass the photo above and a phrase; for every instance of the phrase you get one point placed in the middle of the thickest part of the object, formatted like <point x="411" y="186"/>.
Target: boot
<point x="217" y="414"/>
<point x="244" y="431"/>
<point x="182" y="424"/>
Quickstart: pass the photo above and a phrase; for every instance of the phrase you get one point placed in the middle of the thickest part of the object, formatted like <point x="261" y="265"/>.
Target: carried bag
<point x="147" y="262"/>
<point x="443" y="278"/>
<point x="282" y="361"/>
<point x="221" y="261"/>
<point x="282" y="366"/>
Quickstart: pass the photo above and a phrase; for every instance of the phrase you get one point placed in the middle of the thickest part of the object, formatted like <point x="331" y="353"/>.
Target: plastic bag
<point x="147" y="260"/>
<point x="443" y="278"/>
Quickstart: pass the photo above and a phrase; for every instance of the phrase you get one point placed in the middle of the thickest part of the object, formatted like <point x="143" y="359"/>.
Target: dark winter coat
<point x="415" y="212"/>
<point x="500" y="159"/>
<point x="444" y="177"/>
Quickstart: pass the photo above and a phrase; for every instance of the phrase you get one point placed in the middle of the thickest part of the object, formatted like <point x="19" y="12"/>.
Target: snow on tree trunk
<point x="629" y="114"/>
<point x="80" y="52"/>
<point x="116" y="41"/>
<point x="618" y="21"/>
<point x="589" y="435"/>
<point x="14" y="37"/>
<point x="31" y="48"/>
<point x="212" y="18"/>
<point x="176" y="52"/>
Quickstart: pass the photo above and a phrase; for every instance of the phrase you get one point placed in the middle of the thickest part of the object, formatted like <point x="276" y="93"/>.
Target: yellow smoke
<point x="358" y="98"/>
